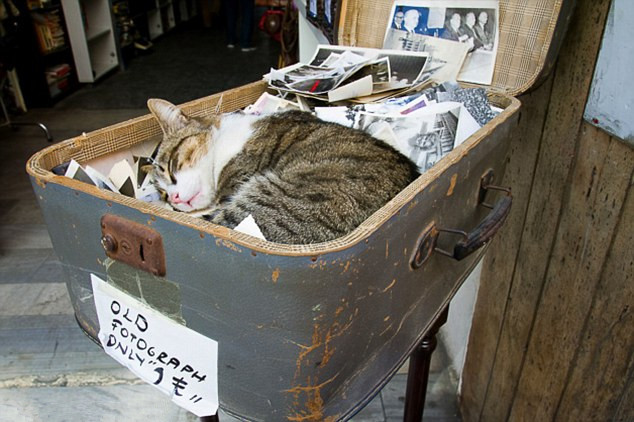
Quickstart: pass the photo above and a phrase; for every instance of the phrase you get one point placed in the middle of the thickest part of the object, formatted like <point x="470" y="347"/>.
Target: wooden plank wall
<point x="553" y="329"/>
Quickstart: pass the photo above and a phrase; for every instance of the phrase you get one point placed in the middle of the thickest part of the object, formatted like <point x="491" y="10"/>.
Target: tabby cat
<point x="302" y="179"/>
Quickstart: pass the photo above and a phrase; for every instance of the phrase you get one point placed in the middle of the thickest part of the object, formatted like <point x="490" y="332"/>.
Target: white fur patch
<point x="193" y="193"/>
<point x="228" y="140"/>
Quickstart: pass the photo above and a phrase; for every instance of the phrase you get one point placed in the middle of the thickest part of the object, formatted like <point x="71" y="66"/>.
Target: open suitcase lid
<point x="531" y="33"/>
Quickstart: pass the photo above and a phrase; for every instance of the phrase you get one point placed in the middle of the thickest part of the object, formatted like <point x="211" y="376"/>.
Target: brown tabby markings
<point x="189" y="151"/>
<point x="302" y="179"/>
<point x="307" y="181"/>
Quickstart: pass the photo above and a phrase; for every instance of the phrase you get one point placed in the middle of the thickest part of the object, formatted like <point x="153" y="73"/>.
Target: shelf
<point x="46" y="8"/>
<point x="100" y="69"/>
<point x="98" y="33"/>
<point x="92" y="37"/>
<point x="55" y="51"/>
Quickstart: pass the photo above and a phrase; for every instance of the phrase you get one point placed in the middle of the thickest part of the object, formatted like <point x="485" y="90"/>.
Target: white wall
<point x="309" y="36"/>
<point x="611" y="101"/>
<point x="455" y="333"/>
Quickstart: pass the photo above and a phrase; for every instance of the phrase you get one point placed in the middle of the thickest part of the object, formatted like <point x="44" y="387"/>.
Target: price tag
<point x="175" y="359"/>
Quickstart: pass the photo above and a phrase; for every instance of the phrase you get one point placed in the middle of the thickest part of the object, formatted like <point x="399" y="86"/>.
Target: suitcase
<point x="304" y="332"/>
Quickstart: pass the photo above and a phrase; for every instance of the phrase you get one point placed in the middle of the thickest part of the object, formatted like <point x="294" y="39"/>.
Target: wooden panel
<point x="604" y="358"/>
<point x="499" y="264"/>
<point x="556" y="153"/>
<point x="625" y="412"/>
<point x="597" y="190"/>
<point x="516" y="270"/>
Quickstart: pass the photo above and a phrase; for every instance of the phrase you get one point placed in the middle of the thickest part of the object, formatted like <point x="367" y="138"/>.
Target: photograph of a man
<point x="468" y="31"/>
<point x="483" y="31"/>
<point x="397" y="23"/>
<point x="410" y="21"/>
<point x="452" y="28"/>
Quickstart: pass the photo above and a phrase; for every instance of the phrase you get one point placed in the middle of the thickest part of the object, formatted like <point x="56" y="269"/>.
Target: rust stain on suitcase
<point x="275" y="275"/>
<point x="40" y="183"/>
<point x="346" y="266"/>
<point x="314" y="404"/>
<point x="452" y="184"/>
<point x="229" y="245"/>
<point x="319" y="264"/>
<point x="312" y="410"/>
<point x="389" y="286"/>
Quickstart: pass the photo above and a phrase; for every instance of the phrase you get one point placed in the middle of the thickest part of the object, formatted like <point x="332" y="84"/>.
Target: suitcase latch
<point x="133" y="243"/>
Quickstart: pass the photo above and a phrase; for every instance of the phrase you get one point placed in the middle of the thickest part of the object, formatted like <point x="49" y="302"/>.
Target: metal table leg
<point x="418" y="373"/>
<point x="11" y="124"/>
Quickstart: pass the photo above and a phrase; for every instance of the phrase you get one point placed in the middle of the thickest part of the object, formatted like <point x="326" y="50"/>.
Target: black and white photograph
<point x="324" y="53"/>
<point x="425" y="139"/>
<point x="446" y="57"/>
<point x="324" y="15"/>
<point x="405" y="66"/>
<point x="437" y="141"/>
<point x="471" y="23"/>
<point x="378" y="69"/>
<point x="474" y="99"/>
<point x="308" y="79"/>
<point x="308" y="71"/>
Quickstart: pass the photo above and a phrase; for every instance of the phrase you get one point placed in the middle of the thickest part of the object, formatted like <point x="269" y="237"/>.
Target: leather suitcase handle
<point x="484" y="231"/>
<point x="478" y="237"/>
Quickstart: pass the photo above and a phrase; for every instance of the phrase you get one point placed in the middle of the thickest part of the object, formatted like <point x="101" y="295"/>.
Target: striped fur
<point x="302" y="179"/>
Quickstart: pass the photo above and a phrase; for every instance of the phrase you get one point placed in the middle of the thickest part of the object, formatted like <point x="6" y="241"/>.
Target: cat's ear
<point x="170" y="117"/>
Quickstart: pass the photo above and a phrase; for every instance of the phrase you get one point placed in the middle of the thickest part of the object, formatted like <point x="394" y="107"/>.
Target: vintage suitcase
<point x="306" y="332"/>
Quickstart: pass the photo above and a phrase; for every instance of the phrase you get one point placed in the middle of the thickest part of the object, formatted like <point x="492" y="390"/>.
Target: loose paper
<point x="249" y="226"/>
<point x="175" y="359"/>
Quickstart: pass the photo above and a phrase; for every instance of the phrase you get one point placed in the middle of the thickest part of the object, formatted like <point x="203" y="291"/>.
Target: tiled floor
<point x="49" y="370"/>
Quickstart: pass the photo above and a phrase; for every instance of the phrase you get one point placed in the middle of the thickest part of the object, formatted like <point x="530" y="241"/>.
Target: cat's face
<point x="181" y="169"/>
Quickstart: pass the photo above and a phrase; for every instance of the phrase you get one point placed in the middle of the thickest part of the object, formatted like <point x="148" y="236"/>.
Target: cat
<point x="302" y="179"/>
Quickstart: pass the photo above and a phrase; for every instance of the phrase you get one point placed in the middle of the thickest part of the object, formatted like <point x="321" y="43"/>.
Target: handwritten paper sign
<point x="175" y="359"/>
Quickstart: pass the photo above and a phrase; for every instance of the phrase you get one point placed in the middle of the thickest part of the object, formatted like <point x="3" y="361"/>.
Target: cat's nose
<point x="175" y="199"/>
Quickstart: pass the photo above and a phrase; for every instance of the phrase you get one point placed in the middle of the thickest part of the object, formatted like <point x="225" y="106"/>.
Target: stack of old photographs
<point x="338" y="73"/>
<point x="424" y="125"/>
